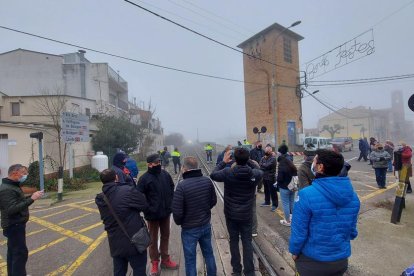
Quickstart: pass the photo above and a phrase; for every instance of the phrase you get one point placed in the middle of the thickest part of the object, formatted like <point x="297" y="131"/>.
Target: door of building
<point x="291" y="130"/>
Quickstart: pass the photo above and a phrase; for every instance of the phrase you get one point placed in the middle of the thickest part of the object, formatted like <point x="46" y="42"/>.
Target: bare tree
<point x="51" y="104"/>
<point x="336" y="128"/>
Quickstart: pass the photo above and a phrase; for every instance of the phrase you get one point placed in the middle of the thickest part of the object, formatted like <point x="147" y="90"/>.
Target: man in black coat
<point x="240" y="183"/>
<point x="158" y="187"/>
<point x="194" y="198"/>
<point x="257" y="154"/>
<point x="127" y="203"/>
<point x="14" y="207"/>
<point x="268" y="166"/>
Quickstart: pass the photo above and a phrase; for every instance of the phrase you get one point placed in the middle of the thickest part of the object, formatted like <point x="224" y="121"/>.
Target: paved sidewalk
<point x="383" y="248"/>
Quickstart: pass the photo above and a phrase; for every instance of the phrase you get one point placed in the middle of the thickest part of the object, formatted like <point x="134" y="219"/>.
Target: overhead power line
<point x="393" y="13"/>
<point x="127" y="58"/>
<point x="207" y="37"/>
<point x="362" y="82"/>
<point x="362" y="79"/>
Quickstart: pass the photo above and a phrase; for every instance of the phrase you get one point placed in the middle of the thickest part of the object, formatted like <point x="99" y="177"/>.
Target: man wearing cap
<point x="158" y="187"/>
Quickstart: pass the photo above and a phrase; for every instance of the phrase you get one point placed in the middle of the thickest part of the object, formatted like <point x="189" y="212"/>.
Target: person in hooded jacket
<point x="325" y="219"/>
<point x="379" y="158"/>
<point x="158" y="187"/>
<point x="240" y="183"/>
<point x="131" y="165"/>
<point x="127" y="203"/>
<point x="363" y="150"/>
<point x="118" y="165"/>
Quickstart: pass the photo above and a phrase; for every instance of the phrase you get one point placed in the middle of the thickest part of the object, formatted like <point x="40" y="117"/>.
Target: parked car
<point x="342" y="144"/>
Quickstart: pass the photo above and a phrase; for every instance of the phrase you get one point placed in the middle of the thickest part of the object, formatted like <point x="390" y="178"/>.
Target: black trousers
<point x="270" y="192"/>
<point x="177" y="164"/>
<point x="306" y="266"/>
<point x="244" y="230"/>
<point x="362" y="154"/>
<point x="17" y="252"/>
<point x="138" y="264"/>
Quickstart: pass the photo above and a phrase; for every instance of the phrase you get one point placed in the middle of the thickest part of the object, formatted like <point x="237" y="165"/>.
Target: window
<point x="88" y="112"/>
<point x="4" y="136"/>
<point x="287" y="50"/>
<point x="15" y="109"/>
<point x="75" y="108"/>
<point x="1" y="109"/>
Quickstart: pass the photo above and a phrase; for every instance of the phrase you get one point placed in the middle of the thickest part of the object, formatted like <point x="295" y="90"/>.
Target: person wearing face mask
<point x="158" y="187"/>
<point x="379" y="158"/>
<point x="305" y="174"/>
<point x="119" y="166"/>
<point x="325" y="219"/>
<point x="257" y="154"/>
<point x="268" y="166"/>
<point x="14" y="208"/>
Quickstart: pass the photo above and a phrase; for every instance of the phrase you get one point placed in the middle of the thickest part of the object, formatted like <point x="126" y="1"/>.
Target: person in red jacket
<point x="406" y="154"/>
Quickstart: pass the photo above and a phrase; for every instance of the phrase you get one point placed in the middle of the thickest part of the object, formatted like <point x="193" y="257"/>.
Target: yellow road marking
<point x="81" y="259"/>
<point x="73" y="219"/>
<point x="90" y="227"/>
<point x="83" y="208"/>
<point x="57" y="213"/>
<point x="87" y="203"/>
<point x="57" y="271"/>
<point x="366" y="185"/>
<point x="3" y="267"/>
<point x="47" y="245"/>
<point x="60" y="206"/>
<point x="378" y="192"/>
<point x="62" y="231"/>
<point x="27" y="235"/>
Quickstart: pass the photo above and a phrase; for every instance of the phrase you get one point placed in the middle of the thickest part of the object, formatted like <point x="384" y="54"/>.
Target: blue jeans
<point x="380" y="175"/>
<point x="138" y="264"/>
<point x="288" y="198"/>
<point x="190" y="237"/>
<point x="390" y="165"/>
<point x="244" y="229"/>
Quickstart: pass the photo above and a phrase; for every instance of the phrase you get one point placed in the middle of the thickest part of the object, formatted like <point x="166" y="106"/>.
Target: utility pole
<point x="39" y="137"/>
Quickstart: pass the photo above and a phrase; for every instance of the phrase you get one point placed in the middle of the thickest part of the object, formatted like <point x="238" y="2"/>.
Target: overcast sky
<point x="216" y="107"/>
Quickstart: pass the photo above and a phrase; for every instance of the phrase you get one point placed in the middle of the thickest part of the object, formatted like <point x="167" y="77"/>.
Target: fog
<point x="184" y="102"/>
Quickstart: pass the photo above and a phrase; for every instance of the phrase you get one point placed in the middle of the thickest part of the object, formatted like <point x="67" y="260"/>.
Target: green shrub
<point x="33" y="179"/>
<point x="87" y="173"/>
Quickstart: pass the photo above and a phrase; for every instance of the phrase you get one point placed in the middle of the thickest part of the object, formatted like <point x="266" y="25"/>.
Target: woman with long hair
<point x="286" y="170"/>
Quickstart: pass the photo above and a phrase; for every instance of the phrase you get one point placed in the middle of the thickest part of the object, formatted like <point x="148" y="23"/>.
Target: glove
<point x="275" y="185"/>
<point x="382" y="159"/>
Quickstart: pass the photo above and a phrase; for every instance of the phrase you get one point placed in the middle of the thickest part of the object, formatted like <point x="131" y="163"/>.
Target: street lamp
<point x="274" y="85"/>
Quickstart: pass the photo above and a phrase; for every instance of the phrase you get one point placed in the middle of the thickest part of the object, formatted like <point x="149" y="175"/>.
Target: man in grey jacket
<point x="379" y="158"/>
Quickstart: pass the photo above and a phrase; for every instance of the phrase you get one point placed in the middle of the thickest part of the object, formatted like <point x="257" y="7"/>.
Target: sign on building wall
<point x="75" y="127"/>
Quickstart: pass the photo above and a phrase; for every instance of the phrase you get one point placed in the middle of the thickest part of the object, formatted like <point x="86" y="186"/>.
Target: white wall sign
<point x="75" y="127"/>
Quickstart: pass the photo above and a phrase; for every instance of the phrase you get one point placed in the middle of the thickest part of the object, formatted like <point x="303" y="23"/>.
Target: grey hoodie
<point x="379" y="159"/>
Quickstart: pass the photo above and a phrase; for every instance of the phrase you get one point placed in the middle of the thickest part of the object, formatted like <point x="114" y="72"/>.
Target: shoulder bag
<point x="293" y="185"/>
<point x="141" y="239"/>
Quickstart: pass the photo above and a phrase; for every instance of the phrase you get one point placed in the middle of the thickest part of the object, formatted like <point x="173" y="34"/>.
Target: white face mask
<point x="313" y="169"/>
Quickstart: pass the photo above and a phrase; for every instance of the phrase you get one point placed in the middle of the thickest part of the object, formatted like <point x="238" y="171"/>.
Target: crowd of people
<point x="318" y="203"/>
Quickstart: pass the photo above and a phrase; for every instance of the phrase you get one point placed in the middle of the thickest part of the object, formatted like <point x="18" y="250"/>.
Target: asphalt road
<point x="69" y="239"/>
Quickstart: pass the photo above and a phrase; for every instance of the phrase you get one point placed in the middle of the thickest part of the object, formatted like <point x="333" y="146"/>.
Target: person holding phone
<point x="14" y="208"/>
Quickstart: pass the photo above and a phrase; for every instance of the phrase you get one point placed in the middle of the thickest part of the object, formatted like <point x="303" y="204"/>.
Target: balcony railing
<point x="123" y="105"/>
<point x="117" y="78"/>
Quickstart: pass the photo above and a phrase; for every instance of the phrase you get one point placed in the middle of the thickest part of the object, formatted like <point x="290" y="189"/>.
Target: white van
<point x="318" y="142"/>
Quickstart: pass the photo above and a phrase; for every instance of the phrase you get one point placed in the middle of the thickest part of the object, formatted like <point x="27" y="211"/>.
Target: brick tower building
<point x="279" y="46"/>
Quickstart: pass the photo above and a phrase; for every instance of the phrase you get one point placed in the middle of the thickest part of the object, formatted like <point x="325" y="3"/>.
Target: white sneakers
<point x="285" y="223"/>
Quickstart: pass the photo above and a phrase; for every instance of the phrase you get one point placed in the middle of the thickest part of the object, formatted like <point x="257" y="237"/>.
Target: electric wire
<point x="392" y="14"/>
<point x="127" y="58"/>
<point x="207" y="37"/>
<point x="203" y="15"/>
<point x="362" y="82"/>
<point x="363" y="79"/>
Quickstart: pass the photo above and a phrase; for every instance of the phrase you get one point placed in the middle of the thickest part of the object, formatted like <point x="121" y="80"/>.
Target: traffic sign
<point x="75" y="127"/>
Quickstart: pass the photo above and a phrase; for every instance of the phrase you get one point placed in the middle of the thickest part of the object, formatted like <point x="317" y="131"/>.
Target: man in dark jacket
<point x="158" y="187"/>
<point x="239" y="189"/>
<point x="363" y="150"/>
<point x="14" y="207"/>
<point x="127" y="203"/>
<point x="257" y="154"/>
<point x="193" y="199"/>
<point x="268" y="166"/>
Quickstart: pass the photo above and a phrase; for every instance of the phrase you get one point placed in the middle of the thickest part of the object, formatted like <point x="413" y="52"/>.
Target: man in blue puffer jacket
<point x="324" y="219"/>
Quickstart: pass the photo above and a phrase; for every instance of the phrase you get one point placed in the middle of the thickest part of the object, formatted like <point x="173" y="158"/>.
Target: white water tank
<point x="100" y="161"/>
